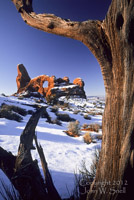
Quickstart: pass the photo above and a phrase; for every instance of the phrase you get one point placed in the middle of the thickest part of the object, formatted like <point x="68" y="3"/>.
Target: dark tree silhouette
<point x="23" y="171"/>
<point x="112" y="43"/>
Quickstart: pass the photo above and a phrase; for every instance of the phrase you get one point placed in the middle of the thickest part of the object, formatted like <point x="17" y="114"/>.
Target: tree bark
<point x="27" y="178"/>
<point x="112" y="43"/>
<point x="117" y="154"/>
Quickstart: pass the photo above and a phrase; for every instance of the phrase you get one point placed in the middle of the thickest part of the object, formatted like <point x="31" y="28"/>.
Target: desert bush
<point x="54" y="109"/>
<point x="91" y="113"/>
<point x="64" y="117"/>
<point x="95" y="161"/>
<point x="16" y="109"/>
<point x="63" y="105"/>
<point x="99" y="137"/>
<point x="99" y="107"/>
<point x="76" y="112"/>
<point x="86" y="116"/>
<point x="74" y="127"/>
<point x="85" y="177"/>
<point x="3" y="95"/>
<point x="51" y="99"/>
<point x="64" y="109"/>
<point x="10" y="114"/>
<point x="87" y="138"/>
<point x="98" y="113"/>
<point x="94" y="127"/>
<point x="66" y="105"/>
<point x="85" y="126"/>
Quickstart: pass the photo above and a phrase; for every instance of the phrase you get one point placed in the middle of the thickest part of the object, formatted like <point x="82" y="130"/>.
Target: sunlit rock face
<point x="79" y="81"/>
<point x="56" y="87"/>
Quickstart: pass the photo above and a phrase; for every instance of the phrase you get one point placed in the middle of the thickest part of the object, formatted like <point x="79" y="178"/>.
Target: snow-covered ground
<point x="64" y="154"/>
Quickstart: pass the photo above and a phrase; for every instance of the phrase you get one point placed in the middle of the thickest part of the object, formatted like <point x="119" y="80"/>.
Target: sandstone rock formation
<point x="57" y="87"/>
<point x="22" y="78"/>
<point x="79" y="81"/>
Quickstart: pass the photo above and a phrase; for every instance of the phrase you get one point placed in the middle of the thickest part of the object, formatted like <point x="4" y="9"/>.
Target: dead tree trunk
<point x="112" y="42"/>
<point x="27" y="177"/>
<point x="23" y="172"/>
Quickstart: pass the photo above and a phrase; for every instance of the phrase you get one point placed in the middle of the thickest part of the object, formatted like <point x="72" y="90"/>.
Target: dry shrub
<point x="54" y="109"/>
<point x="74" y="128"/>
<point x="87" y="117"/>
<point x="94" y="127"/>
<point x="92" y="112"/>
<point x="99" y="137"/>
<point x="64" y="117"/>
<point x="64" y="106"/>
<point x="98" y="113"/>
<point x="16" y="109"/>
<point x="84" y="126"/>
<point x="87" y="138"/>
<point x="51" y="99"/>
<point x="10" y="115"/>
<point x="12" y="112"/>
<point x="64" y="109"/>
<point x="95" y="161"/>
<point x="85" y="177"/>
<point x="76" y="112"/>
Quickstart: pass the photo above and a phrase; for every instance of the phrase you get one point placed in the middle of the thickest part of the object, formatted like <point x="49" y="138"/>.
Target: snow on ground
<point x="64" y="154"/>
<point x="64" y="86"/>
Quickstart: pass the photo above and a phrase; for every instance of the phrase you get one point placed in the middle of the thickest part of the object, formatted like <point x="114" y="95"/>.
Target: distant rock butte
<point x="57" y="87"/>
<point x="22" y="78"/>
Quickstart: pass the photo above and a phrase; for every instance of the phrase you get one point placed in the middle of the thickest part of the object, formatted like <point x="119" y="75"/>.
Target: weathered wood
<point x="7" y="162"/>
<point x="26" y="139"/>
<point x="27" y="177"/>
<point x="112" y="43"/>
<point x="115" y="165"/>
<point x="22" y="171"/>
<point x="90" y="32"/>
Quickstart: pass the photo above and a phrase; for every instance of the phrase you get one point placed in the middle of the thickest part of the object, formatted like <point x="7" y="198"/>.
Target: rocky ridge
<point x="57" y="87"/>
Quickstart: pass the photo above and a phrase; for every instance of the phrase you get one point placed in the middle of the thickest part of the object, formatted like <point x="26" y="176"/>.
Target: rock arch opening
<point x="45" y="84"/>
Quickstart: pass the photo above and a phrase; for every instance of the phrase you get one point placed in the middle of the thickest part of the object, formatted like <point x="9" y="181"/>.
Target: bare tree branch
<point x="90" y="32"/>
<point x="26" y="4"/>
<point x="27" y="178"/>
<point x="22" y="171"/>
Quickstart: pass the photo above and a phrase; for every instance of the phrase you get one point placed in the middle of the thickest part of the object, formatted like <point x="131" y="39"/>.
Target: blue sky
<point x="43" y="53"/>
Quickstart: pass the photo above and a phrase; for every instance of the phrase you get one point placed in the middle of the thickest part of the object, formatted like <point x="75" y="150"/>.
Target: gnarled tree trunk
<point x="112" y="43"/>
<point x="23" y="171"/>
